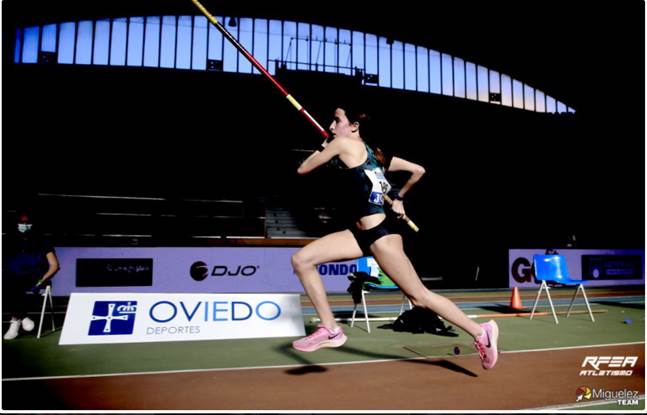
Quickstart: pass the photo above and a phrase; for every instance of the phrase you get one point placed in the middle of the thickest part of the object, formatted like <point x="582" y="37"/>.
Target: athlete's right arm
<point x="319" y="158"/>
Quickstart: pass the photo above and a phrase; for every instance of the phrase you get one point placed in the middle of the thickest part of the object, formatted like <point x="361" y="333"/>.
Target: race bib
<point x="380" y="186"/>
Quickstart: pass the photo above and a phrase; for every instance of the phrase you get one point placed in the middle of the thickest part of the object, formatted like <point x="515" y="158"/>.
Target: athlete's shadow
<point x="309" y="367"/>
<point x="448" y="365"/>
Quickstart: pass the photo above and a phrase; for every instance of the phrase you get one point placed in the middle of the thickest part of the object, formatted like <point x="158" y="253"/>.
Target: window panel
<point x="230" y="53"/>
<point x="482" y="80"/>
<point x="118" y="42"/>
<point x="459" y="77"/>
<point x="275" y="46"/>
<point x="246" y="38"/>
<point x="495" y="84"/>
<point x="571" y="110"/>
<point x="167" y="57"/>
<point x="385" y="63"/>
<point x="152" y="41"/>
<point x="423" y="69"/>
<point x="517" y="94"/>
<point x="529" y="97"/>
<point x="289" y="44"/>
<point x="66" y="42"/>
<point x="260" y="43"/>
<point x="135" y="41"/>
<point x="101" y="42"/>
<point x="561" y="108"/>
<point x="358" y="50"/>
<point x="215" y="41"/>
<point x="183" y="51"/>
<point x="317" y="48"/>
<point x="48" y="39"/>
<point x="470" y="79"/>
<point x="506" y="90"/>
<point x="397" y="65"/>
<point x="303" y="46"/>
<point x="330" y="58"/>
<point x="550" y="104"/>
<point x="199" y="55"/>
<point x="434" y="72"/>
<point x="30" y="45"/>
<point x="344" y="52"/>
<point x="84" y="42"/>
<point x="410" y="67"/>
<point x="540" y="101"/>
<point x="447" y="74"/>
<point x="372" y="56"/>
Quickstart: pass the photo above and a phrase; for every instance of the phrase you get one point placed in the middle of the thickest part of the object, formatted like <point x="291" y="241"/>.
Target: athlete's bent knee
<point x="301" y="261"/>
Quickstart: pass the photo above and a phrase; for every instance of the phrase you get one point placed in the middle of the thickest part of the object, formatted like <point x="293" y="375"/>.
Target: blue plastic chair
<point x="551" y="269"/>
<point x="369" y="265"/>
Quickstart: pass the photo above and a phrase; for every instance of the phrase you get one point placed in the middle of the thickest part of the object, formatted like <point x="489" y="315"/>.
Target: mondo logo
<point x="200" y="270"/>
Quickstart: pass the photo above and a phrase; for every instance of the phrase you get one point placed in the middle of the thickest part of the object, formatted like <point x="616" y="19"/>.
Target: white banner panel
<point x="146" y="317"/>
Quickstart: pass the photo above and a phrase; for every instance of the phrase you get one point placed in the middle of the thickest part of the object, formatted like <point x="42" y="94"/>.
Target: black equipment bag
<point x="422" y="320"/>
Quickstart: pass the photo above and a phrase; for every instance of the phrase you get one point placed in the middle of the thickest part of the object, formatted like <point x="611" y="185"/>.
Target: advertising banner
<point x="196" y="270"/>
<point x="134" y="318"/>
<point x="597" y="267"/>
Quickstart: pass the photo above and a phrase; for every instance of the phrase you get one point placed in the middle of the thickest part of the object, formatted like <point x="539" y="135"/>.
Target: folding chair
<point x="368" y="278"/>
<point x="47" y="297"/>
<point x="551" y="269"/>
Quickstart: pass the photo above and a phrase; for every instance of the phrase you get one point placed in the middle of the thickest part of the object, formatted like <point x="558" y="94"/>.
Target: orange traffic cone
<point x="515" y="300"/>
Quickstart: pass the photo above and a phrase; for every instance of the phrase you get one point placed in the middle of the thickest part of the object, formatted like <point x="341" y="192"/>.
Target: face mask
<point x="24" y="227"/>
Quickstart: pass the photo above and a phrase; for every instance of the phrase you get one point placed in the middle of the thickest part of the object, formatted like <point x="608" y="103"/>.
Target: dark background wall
<point x="497" y="177"/>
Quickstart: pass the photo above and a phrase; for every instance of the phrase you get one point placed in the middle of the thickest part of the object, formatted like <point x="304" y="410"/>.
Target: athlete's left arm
<point x="416" y="170"/>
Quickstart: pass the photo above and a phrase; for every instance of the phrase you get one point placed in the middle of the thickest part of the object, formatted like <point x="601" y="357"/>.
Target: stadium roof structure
<point x="566" y="49"/>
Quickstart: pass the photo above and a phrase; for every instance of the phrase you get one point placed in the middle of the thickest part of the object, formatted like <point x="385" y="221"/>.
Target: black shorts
<point x="365" y="238"/>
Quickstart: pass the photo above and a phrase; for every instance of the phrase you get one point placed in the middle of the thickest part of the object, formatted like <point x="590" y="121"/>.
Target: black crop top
<point x="363" y="187"/>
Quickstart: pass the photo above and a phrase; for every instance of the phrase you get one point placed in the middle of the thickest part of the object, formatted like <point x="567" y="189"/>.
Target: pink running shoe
<point x="322" y="337"/>
<point x="487" y="344"/>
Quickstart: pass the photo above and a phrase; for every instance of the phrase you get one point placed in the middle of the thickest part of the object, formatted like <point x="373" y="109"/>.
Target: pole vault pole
<point x="260" y="67"/>
<point x="283" y="91"/>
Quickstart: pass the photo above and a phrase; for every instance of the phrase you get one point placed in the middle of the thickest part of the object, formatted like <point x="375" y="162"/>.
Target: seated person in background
<point x="28" y="262"/>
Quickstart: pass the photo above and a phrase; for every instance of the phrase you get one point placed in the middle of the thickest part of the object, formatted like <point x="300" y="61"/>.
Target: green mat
<point x="27" y="356"/>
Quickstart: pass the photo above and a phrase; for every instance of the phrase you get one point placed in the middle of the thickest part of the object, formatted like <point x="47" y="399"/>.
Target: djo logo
<point x="199" y="270"/>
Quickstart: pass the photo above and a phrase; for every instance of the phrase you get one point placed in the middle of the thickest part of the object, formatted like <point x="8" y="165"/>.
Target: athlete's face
<point x="340" y="125"/>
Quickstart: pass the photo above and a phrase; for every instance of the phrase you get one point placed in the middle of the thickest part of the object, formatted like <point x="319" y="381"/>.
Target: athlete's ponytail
<point x="382" y="157"/>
